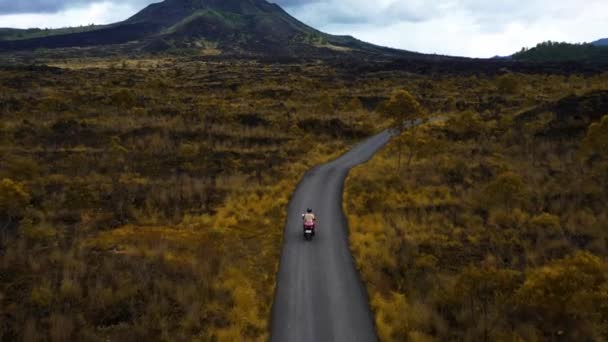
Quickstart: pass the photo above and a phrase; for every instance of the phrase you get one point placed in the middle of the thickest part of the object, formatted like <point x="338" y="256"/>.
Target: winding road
<point x="319" y="295"/>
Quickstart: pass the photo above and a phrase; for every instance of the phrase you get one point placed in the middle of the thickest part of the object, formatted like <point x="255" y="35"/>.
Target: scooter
<point x="309" y="230"/>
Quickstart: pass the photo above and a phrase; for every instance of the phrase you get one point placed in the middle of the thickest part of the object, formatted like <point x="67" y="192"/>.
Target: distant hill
<point x="22" y="34"/>
<point x="223" y="26"/>
<point x="5" y="32"/>
<point x="564" y="52"/>
<point x="601" y="42"/>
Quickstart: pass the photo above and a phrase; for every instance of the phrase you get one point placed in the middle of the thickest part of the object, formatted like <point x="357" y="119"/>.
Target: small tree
<point x="484" y="294"/>
<point x="567" y="297"/>
<point x="596" y="141"/>
<point x="13" y="201"/>
<point x="508" y="190"/>
<point x="508" y="84"/>
<point x="325" y="104"/>
<point x="594" y="150"/>
<point x="403" y="110"/>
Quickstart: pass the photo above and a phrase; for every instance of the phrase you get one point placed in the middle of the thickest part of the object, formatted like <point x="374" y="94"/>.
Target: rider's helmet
<point x="309" y="210"/>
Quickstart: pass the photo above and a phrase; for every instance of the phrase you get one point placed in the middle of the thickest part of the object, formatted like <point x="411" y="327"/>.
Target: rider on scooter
<point x="310" y="218"/>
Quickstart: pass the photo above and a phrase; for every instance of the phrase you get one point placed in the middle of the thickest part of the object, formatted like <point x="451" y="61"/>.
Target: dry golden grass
<point x="145" y="182"/>
<point x="472" y="241"/>
<point x="154" y="199"/>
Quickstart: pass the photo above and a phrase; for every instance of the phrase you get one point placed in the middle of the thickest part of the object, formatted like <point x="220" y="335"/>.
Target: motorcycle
<point x="309" y="230"/>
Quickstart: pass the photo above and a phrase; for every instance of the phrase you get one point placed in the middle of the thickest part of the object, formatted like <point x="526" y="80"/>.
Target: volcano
<point x="254" y="27"/>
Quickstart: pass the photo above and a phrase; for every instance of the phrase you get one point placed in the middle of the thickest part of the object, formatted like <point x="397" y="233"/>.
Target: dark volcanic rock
<point x="572" y="114"/>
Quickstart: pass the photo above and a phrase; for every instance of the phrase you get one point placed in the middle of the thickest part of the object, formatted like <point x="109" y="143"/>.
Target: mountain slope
<point x="563" y="52"/>
<point x="232" y="26"/>
<point x="601" y="42"/>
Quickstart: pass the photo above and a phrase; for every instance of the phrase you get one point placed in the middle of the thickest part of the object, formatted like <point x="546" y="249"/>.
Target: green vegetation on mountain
<point x="497" y="230"/>
<point x="563" y="52"/>
<point x="17" y="34"/>
<point x="232" y="27"/>
<point x="601" y="42"/>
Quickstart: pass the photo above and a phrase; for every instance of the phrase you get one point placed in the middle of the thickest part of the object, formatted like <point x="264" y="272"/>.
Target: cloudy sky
<point x="476" y="28"/>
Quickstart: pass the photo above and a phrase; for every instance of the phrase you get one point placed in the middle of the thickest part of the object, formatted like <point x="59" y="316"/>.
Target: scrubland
<point x="497" y="229"/>
<point x="145" y="200"/>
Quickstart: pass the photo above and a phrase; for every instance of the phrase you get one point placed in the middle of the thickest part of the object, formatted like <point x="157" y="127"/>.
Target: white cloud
<point x="476" y="28"/>
<point x="98" y="13"/>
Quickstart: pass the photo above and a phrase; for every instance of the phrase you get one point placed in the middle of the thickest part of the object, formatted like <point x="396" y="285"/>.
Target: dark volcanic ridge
<point x="601" y="42"/>
<point x="211" y="26"/>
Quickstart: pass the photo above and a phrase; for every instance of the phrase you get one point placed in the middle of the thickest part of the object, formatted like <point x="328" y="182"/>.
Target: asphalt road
<point x="319" y="295"/>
